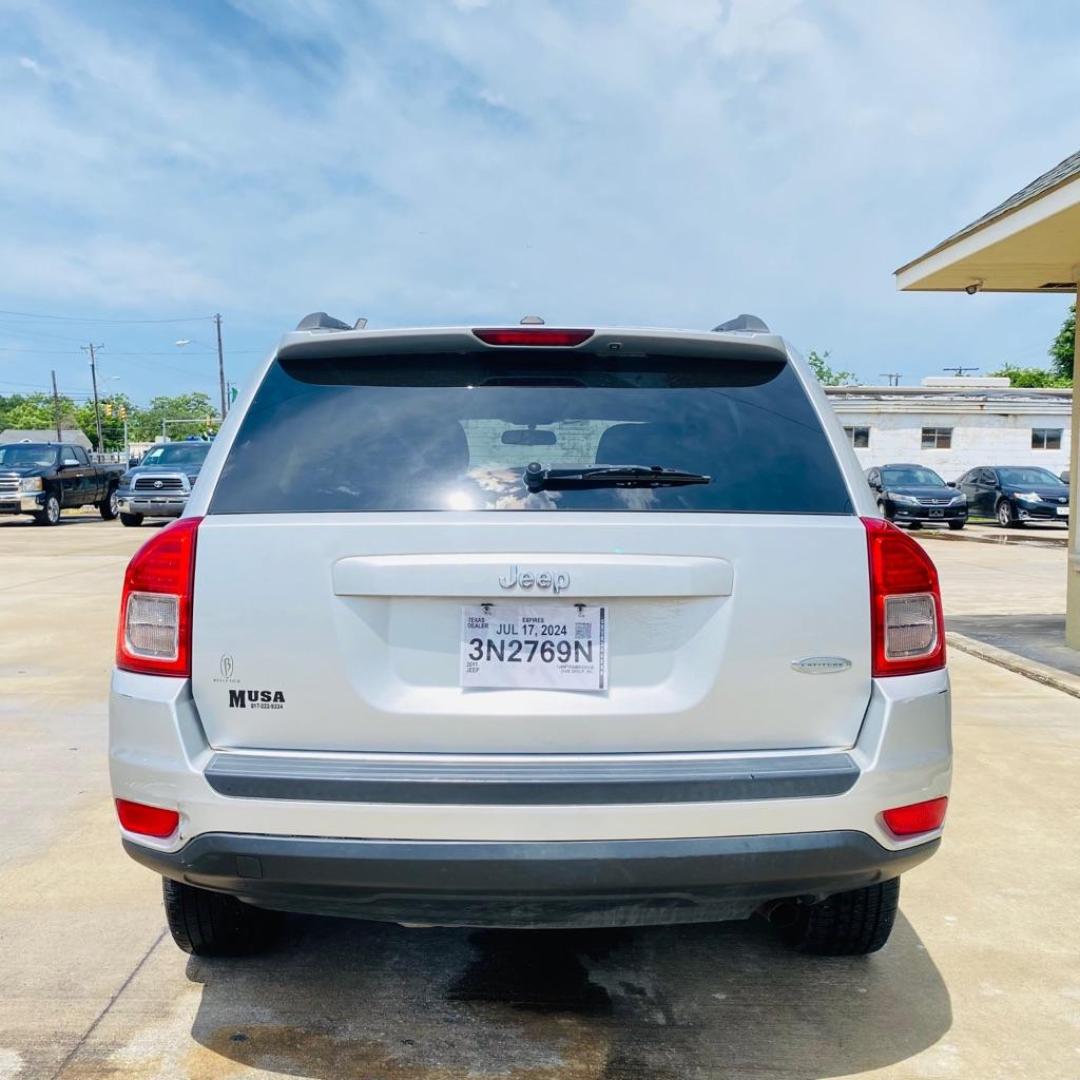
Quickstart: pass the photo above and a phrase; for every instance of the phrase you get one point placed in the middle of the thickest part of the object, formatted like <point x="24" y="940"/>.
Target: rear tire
<point x="51" y="514"/>
<point x="848" y="924"/>
<point x="108" y="508"/>
<point x="207" y="923"/>
<point x="131" y="519"/>
<point x="956" y="526"/>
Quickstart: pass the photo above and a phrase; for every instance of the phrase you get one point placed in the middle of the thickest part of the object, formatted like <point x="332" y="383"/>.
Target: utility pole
<point x="221" y="366"/>
<point x="93" y="378"/>
<point x="892" y="376"/>
<point x="56" y="408"/>
<point x="960" y="370"/>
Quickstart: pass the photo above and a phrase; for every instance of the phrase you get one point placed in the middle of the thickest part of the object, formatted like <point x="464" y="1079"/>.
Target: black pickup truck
<point x="41" y="479"/>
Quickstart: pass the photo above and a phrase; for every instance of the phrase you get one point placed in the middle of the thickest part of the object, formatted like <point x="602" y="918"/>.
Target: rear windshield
<point x="455" y="432"/>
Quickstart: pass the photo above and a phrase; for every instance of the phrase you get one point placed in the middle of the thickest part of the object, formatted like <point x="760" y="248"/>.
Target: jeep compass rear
<point x="531" y="627"/>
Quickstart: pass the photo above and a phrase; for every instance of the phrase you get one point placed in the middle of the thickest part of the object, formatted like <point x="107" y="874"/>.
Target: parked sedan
<point x="913" y="494"/>
<point x="1015" y="494"/>
<point x="159" y="486"/>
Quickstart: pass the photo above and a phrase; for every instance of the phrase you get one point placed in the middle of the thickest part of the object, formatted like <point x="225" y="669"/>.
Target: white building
<point x="953" y="425"/>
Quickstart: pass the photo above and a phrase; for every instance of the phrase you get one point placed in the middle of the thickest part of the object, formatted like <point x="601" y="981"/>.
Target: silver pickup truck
<point x="160" y="484"/>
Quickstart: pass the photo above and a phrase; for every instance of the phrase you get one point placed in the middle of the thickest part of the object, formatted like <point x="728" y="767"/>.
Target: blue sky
<point x="661" y="162"/>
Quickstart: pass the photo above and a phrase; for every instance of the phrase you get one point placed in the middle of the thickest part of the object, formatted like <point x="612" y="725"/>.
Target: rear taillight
<point x="541" y="335"/>
<point x="154" y="634"/>
<point x="907" y="629"/>
<point x="147" y="820"/>
<point x="916" y="818"/>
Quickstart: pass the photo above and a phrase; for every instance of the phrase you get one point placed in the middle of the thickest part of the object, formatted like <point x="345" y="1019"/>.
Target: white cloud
<point x="662" y="161"/>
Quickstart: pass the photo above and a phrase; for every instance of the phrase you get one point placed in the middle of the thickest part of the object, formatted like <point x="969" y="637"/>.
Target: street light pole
<point x="221" y="366"/>
<point x="93" y="378"/>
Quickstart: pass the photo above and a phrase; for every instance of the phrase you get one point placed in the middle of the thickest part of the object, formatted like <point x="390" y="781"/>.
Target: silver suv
<point x="531" y="627"/>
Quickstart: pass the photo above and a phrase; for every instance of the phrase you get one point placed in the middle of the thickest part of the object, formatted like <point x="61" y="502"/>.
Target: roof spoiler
<point x="319" y="320"/>
<point x="749" y="324"/>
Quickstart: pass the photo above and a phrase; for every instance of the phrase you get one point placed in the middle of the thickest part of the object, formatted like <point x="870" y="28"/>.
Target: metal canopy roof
<point x="1028" y="243"/>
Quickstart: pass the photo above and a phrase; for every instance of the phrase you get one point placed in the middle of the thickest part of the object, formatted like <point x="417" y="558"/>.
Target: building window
<point x="1046" y="438"/>
<point x="859" y="437"/>
<point x="936" y="438"/>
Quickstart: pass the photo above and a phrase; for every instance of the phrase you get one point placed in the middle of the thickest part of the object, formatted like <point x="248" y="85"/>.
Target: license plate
<point x="534" y="647"/>
<point x="1063" y="511"/>
<point x="937" y="513"/>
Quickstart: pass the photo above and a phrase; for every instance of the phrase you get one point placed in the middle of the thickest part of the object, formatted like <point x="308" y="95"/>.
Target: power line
<point x="135" y="352"/>
<point x="111" y="322"/>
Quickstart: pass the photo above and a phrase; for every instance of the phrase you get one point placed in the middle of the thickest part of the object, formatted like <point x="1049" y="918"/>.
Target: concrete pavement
<point x="980" y="980"/>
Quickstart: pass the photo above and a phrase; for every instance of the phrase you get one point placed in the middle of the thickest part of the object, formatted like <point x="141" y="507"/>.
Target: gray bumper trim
<point x="532" y="883"/>
<point x="541" y="783"/>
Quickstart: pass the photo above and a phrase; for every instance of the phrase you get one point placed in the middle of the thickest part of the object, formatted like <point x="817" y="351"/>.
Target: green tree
<point x="1031" y="376"/>
<point x="36" y="411"/>
<point x="1062" y="349"/>
<point x="819" y="364"/>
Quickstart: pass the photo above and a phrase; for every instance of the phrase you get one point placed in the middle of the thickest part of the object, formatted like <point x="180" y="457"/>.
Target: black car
<point x="913" y="494"/>
<point x="1015" y="493"/>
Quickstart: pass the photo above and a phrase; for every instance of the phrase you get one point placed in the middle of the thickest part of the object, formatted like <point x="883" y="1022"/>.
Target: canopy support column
<point x="1072" y="589"/>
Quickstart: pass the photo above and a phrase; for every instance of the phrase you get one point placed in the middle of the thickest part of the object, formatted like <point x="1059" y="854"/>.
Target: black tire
<point x="1004" y="514"/>
<point x="848" y="924"/>
<point x="207" y="923"/>
<point x="957" y="525"/>
<point x="108" y="508"/>
<point x="51" y="514"/>
<point x="131" y="519"/>
<point x="912" y="525"/>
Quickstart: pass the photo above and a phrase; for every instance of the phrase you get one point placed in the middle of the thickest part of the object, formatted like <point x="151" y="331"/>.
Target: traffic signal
<point x="108" y="408"/>
<point x="123" y="412"/>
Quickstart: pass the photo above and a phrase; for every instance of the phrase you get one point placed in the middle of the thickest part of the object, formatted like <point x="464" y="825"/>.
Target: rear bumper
<point x="577" y="883"/>
<point x="440" y="838"/>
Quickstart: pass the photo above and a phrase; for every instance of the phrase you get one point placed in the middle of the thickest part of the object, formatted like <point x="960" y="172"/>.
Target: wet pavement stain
<point x="539" y="970"/>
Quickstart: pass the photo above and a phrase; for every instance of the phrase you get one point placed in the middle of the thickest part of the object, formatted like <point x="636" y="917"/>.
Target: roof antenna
<point x="531" y="320"/>
<point x="360" y="324"/>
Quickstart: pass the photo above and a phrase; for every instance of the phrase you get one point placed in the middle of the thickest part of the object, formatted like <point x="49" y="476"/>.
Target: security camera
<point x="974" y="287"/>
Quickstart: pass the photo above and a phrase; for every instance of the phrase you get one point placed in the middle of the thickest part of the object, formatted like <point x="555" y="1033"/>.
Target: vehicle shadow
<point x="339" y="998"/>
<point x="20" y="521"/>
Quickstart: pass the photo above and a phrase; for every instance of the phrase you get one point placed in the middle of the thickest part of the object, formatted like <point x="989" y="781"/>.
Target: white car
<point x="531" y="627"/>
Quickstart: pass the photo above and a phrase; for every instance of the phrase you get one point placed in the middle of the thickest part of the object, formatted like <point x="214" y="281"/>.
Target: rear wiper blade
<point x="537" y="478"/>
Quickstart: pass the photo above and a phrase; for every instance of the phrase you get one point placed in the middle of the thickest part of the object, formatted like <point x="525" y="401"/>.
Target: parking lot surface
<point x="980" y="979"/>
